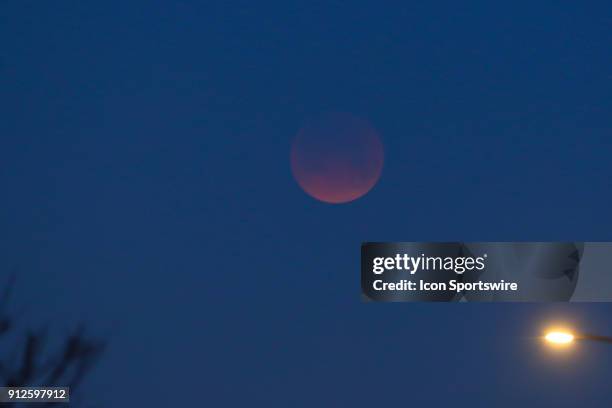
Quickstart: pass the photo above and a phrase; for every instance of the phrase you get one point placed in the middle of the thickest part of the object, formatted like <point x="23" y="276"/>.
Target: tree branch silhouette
<point x="34" y="364"/>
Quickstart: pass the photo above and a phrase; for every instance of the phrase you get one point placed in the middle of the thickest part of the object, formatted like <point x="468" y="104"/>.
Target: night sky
<point x="147" y="192"/>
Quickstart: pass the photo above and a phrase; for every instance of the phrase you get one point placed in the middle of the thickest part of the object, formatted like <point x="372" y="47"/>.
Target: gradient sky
<point x="147" y="191"/>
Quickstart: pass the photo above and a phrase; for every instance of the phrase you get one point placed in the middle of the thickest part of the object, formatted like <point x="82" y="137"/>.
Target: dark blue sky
<point x="147" y="191"/>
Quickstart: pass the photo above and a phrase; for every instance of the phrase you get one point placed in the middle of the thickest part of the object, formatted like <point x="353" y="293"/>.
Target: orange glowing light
<point x="558" y="337"/>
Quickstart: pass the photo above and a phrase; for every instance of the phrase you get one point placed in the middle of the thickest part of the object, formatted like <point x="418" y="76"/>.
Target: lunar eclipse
<point x="337" y="158"/>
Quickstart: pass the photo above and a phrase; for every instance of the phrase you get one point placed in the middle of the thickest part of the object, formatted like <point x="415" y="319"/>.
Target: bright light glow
<point x="559" y="337"/>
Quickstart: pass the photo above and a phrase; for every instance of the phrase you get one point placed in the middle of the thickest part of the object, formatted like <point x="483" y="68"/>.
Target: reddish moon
<point x="337" y="158"/>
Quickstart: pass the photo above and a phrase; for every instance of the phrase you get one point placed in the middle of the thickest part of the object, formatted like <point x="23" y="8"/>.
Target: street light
<point x="565" y="337"/>
<point x="559" y="337"/>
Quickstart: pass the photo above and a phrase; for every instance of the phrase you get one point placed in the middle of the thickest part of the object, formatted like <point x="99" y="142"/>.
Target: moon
<point x="337" y="157"/>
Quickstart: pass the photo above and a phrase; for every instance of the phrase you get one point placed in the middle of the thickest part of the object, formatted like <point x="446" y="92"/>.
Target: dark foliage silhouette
<point x="30" y="358"/>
